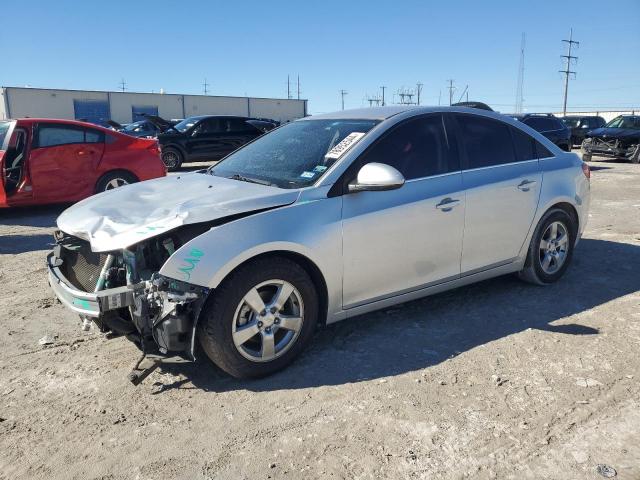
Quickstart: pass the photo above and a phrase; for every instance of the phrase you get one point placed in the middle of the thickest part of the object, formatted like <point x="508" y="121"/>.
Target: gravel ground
<point x="496" y="380"/>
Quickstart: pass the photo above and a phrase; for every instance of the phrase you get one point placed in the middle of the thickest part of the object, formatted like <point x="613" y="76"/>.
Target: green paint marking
<point x="82" y="303"/>
<point x="191" y="260"/>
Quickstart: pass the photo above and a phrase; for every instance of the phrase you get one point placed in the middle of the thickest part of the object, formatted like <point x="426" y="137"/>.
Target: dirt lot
<point x="496" y="380"/>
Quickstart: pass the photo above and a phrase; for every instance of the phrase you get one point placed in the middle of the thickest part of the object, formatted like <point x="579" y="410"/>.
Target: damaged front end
<point x="124" y="295"/>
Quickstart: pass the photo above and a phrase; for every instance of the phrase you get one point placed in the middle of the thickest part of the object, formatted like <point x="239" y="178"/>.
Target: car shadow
<point x="14" y="244"/>
<point x="426" y="332"/>
<point x="37" y="216"/>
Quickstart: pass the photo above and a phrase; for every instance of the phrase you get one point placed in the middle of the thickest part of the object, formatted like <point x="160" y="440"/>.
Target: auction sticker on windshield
<point x="342" y="147"/>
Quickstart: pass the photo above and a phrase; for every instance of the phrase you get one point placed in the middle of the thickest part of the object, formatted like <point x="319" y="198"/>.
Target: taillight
<point x="586" y="170"/>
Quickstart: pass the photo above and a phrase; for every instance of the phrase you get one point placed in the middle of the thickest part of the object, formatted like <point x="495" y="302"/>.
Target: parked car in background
<point x="550" y="126"/>
<point x="325" y="218"/>
<point x="580" y="125"/>
<point x="150" y="127"/>
<point x="57" y="161"/>
<point x="208" y="137"/>
<point x="620" y="138"/>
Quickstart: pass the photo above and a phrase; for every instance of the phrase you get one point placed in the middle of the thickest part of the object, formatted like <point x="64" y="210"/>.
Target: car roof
<point x="202" y="117"/>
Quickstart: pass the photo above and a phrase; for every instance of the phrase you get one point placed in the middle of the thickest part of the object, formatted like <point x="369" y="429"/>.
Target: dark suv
<point x="550" y="126"/>
<point x="580" y="125"/>
<point x="208" y="137"/>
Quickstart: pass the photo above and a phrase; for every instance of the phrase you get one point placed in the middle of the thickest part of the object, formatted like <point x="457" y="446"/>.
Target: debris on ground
<point x="606" y="471"/>
<point x="47" y="340"/>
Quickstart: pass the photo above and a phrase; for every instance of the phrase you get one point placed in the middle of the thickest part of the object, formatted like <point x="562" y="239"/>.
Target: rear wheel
<point x="260" y="318"/>
<point x="113" y="180"/>
<point x="172" y="158"/>
<point x="551" y="248"/>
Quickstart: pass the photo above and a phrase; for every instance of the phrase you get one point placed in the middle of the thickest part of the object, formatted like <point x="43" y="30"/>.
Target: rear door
<point x="64" y="161"/>
<point x="237" y="132"/>
<point x="502" y="180"/>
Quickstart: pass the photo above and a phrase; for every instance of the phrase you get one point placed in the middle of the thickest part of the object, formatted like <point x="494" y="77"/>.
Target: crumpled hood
<point x="127" y="215"/>
<point x="614" y="132"/>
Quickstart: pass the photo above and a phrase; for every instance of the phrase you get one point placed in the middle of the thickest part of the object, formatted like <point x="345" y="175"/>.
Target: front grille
<point x="80" y="265"/>
<point x="601" y="143"/>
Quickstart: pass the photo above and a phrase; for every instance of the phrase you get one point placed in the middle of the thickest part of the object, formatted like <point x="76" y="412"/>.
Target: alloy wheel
<point x="553" y="248"/>
<point x="268" y="321"/>
<point x="115" y="183"/>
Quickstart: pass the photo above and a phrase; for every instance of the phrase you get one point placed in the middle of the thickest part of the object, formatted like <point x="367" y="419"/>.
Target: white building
<point x="125" y="107"/>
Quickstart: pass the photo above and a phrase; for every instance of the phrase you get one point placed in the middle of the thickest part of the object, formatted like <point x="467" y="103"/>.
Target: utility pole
<point x="567" y="71"/>
<point x="418" y="91"/>
<point x="205" y="85"/>
<point x="451" y="89"/>
<point x="383" y="88"/>
<point x="439" y="97"/>
<point x="123" y="86"/>
<point x="288" y="88"/>
<point x="298" y="87"/>
<point x="519" y="88"/>
<point x="342" y="94"/>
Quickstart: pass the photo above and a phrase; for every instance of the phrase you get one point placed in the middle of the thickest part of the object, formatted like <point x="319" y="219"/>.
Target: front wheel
<point x="551" y="248"/>
<point x="635" y="156"/>
<point x="172" y="158"/>
<point x="260" y="318"/>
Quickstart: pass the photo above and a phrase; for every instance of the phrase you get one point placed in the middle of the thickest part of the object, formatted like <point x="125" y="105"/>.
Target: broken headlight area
<point x="124" y="295"/>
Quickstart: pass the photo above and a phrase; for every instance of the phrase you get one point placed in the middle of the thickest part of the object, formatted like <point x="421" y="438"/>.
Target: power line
<point x="519" y="88"/>
<point x="342" y="94"/>
<point x="567" y="71"/>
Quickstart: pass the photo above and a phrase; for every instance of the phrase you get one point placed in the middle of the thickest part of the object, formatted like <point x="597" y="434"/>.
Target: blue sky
<point x="249" y="48"/>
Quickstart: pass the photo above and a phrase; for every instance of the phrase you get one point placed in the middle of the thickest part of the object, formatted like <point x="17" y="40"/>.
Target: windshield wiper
<point x="237" y="176"/>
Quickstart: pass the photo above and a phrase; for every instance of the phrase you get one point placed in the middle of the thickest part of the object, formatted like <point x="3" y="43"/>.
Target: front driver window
<point x="417" y="148"/>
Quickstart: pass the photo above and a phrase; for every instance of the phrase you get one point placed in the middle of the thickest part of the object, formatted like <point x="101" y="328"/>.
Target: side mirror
<point x="375" y="177"/>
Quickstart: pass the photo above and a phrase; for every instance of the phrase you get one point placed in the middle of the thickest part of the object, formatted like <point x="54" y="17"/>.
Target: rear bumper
<point x="86" y="304"/>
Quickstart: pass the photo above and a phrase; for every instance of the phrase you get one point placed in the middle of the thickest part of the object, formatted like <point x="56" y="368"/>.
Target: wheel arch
<point x="307" y="264"/>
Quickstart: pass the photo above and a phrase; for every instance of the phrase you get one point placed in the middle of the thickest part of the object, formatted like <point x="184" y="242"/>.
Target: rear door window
<point x="524" y="144"/>
<point x="50" y="135"/>
<point x="417" y="148"/>
<point x="486" y="141"/>
<point x="541" y="124"/>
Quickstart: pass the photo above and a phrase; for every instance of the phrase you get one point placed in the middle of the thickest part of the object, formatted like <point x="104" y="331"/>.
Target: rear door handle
<point x="447" y="204"/>
<point x="525" y="185"/>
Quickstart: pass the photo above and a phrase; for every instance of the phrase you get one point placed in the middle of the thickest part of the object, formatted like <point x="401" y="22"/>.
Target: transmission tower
<point x="451" y="90"/>
<point x="567" y="71"/>
<point x="519" y="90"/>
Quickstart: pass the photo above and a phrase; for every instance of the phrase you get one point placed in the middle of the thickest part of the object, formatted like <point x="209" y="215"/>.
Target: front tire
<point x="551" y="248"/>
<point x="635" y="156"/>
<point x="260" y="318"/>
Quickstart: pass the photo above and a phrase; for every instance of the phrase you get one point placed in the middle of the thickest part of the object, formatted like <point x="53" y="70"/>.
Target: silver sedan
<point x="322" y="219"/>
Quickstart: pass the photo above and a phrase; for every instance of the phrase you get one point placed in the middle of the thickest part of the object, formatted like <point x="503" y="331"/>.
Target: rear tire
<point x="172" y="158"/>
<point x="551" y="248"/>
<point x="112" y="180"/>
<point x="232" y="310"/>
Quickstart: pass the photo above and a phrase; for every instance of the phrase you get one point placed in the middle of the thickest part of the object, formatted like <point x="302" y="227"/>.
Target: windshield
<point x="292" y="156"/>
<point x="4" y="128"/>
<point x="186" y="124"/>
<point x="624" y="122"/>
<point x="571" y="121"/>
<point x="136" y="127"/>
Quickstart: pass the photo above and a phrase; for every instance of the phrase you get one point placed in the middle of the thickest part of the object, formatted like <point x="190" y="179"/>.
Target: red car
<point x="58" y="161"/>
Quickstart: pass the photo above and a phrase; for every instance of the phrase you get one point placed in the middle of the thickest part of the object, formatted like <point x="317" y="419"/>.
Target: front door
<point x="502" y="179"/>
<point x="401" y="240"/>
